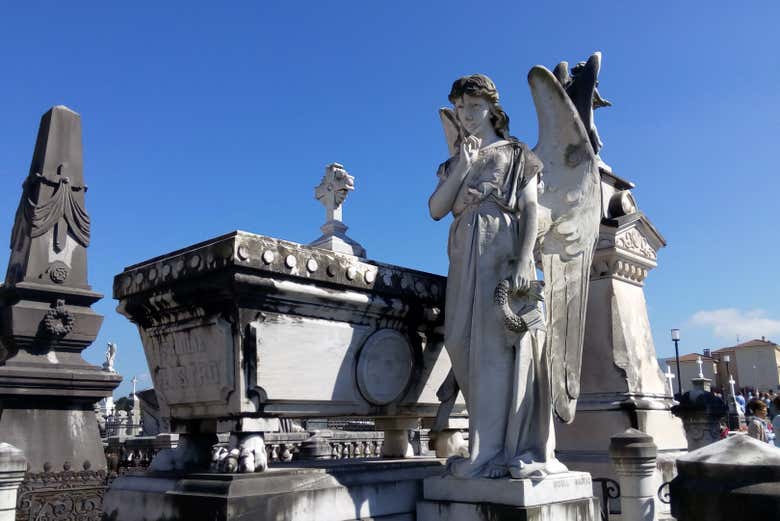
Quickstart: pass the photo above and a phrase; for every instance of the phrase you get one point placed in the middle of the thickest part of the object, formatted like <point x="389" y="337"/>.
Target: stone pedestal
<point x="12" y="468"/>
<point x="700" y="412"/>
<point x="577" y="510"/>
<point x="307" y="491"/>
<point x="735" y="478"/>
<point x="633" y="455"/>
<point x="622" y="385"/>
<point x="559" y="497"/>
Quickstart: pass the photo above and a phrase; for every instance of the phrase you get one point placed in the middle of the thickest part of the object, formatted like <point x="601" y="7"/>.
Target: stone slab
<point x="579" y="510"/>
<point x="516" y="492"/>
<point x="325" y="490"/>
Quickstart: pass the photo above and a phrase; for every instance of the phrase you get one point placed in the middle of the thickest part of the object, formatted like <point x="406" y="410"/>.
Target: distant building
<point x="689" y="369"/>
<point x="755" y="364"/>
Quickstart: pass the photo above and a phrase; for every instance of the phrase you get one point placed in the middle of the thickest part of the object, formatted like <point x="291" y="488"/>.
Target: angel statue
<point x="517" y="364"/>
<point x="108" y="365"/>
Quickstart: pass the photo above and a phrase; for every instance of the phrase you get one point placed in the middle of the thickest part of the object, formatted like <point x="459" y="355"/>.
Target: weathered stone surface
<point x="578" y="510"/>
<point x="622" y="385"/>
<point x="47" y="390"/>
<point x="566" y="486"/>
<point x="228" y="324"/>
<point x="736" y="478"/>
<point x="52" y="228"/>
<point x="320" y="491"/>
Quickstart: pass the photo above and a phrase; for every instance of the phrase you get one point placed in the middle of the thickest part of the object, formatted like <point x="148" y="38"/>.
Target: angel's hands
<point x="469" y="150"/>
<point x="521" y="279"/>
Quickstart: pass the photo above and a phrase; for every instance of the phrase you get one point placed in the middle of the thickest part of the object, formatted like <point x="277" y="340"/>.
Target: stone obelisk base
<point x="561" y="497"/>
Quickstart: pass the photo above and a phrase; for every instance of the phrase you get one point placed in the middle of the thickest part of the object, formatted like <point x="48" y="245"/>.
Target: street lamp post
<point x="676" y="340"/>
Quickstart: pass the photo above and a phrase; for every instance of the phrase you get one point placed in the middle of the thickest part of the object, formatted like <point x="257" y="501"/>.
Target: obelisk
<point x="47" y="390"/>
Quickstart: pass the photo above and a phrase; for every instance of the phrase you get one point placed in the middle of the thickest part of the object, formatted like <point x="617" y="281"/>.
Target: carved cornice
<point x="612" y="266"/>
<point x="635" y="242"/>
<point x="281" y="260"/>
<point x="626" y="250"/>
<point x="206" y="280"/>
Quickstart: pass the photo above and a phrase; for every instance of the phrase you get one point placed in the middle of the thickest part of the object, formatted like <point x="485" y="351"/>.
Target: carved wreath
<point x="58" y="320"/>
<point x="529" y="317"/>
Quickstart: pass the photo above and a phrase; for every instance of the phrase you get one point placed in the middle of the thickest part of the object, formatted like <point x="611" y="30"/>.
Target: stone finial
<point x="331" y="192"/>
<point x="52" y="228"/>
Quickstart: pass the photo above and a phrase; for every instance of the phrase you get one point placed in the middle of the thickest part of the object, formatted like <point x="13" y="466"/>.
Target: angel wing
<point x="452" y="129"/>
<point x="569" y="217"/>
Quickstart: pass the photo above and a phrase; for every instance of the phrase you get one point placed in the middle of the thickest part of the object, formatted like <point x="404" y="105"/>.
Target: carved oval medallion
<point x="384" y="367"/>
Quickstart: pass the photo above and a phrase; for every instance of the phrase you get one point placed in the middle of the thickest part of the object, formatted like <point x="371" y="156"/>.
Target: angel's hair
<point x="482" y="86"/>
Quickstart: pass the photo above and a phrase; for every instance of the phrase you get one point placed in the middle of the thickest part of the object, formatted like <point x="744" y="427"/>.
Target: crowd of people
<point x="762" y="414"/>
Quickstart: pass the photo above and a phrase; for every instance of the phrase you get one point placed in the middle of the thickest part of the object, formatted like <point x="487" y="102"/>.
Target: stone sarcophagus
<point x="244" y="328"/>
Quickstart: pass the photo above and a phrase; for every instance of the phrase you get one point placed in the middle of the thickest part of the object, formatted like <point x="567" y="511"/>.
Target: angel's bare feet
<point x="457" y="466"/>
<point x="553" y="466"/>
<point x="494" y="470"/>
<point x="523" y="470"/>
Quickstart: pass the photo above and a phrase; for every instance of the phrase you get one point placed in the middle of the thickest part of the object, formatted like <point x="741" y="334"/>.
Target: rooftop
<point x="691" y="357"/>
<point x="756" y="342"/>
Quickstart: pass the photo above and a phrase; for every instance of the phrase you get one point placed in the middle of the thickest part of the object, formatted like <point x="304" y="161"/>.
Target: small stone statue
<point x="108" y="365"/>
<point x="331" y="192"/>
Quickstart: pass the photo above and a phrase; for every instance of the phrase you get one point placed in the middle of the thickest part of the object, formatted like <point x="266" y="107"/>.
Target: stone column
<point x="633" y="455"/>
<point x="12" y="468"/>
<point x="396" y="444"/>
<point x="701" y="412"/>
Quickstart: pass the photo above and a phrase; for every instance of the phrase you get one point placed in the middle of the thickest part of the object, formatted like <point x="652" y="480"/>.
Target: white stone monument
<point x="495" y="334"/>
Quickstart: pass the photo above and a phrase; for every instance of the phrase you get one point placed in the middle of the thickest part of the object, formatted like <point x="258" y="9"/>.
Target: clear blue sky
<point x="199" y="120"/>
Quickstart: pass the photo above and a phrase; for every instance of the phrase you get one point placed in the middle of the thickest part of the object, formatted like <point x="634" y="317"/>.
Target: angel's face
<point x="474" y="114"/>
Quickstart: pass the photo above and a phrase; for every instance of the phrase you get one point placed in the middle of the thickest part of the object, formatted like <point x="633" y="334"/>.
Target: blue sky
<point x="199" y="120"/>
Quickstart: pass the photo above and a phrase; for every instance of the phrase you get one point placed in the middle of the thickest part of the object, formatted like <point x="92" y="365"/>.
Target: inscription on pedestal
<point x="192" y="363"/>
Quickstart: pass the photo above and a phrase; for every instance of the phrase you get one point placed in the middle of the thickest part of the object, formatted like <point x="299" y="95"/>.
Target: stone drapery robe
<point x="504" y="377"/>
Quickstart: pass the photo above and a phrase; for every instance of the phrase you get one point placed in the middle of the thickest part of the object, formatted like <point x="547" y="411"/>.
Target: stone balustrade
<point x="136" y="452"/>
